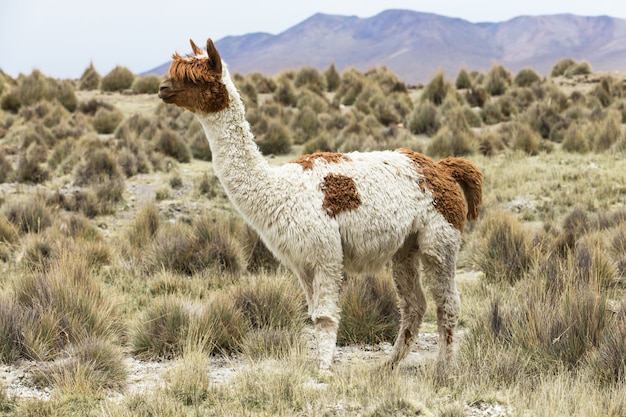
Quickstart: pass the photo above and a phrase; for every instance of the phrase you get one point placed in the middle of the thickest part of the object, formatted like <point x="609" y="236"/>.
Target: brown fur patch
<point x="441" y="180"/>
<point x="307" y="161"/>
<point x="340" y="194"/>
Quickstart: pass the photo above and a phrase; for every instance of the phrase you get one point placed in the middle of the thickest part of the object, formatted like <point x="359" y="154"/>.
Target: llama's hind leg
<point x="440" y="267"/>
<point x="412" y="302"/>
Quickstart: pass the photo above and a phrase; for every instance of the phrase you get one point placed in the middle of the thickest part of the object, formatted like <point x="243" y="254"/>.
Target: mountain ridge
<point x="415" y="45"/>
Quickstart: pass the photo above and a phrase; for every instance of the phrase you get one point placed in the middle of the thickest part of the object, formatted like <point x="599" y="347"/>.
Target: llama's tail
<point x="471" y="181"/>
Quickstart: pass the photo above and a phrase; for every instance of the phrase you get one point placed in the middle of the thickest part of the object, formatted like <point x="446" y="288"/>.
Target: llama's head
<point x="194" y="82"/>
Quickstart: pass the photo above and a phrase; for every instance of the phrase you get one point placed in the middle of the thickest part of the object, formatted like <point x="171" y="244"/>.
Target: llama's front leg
<point x="326" y="314"/>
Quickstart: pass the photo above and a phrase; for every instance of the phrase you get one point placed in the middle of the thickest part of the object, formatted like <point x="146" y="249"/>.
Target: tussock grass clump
<point x="188" y="381"/>
<point x="58" y="306"/>
<point x="369" y="310"/>
<point x="504" y="252"/>
<point x="526" y="77"/>
<point x="498" y="80"/>
<point x="575" y="139"/>
<point x="106" y="121"/>
<point x="30" y="168"/>
<point x="118" y="79"/>
<point x="561" y="66"/>
<point x="437" y="90"/>
<point x="220" y="327"/>
<point x="172" y="144"/>
<point x="208" y="242"/>
<point x="276" y="140"/>
<point x="147" y="84"/>
<point x="333" y="79"/>
<point x="29" y="214"/>
<point x="448" y="142"/>
<point x="271" y="303"/>
<point x="606" y="133"/>
<point x="311" y="79"/>
<point x="424" y="119"/>
<point x="90" y="79"/>
<point x="162" y="329"/>
<point x="94" y="365"/>
<point x="463" y="80"/>
<point x="352" y="82"/>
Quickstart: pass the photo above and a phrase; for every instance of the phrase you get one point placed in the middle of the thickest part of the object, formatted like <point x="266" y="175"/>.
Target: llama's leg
<point x="412" y="302"/>
<point x="440" y="266"/>
<point x="326" y="312"/>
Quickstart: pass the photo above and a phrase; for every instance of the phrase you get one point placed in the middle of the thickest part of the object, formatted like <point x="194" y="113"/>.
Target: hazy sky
<point x="61" y="37"/>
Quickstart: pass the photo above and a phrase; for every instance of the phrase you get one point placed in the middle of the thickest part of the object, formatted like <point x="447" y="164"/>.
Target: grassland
<point x="130" y="287"/>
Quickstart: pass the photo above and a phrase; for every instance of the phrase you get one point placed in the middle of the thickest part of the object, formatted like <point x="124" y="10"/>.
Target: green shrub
<point x="491" y="113"/>
<point x="526" y="77"/>
<point x="522" y="137"/>
<point x="498" y="80"/>
<point x="581" y="68"/>
<point x="118" y="79"/>
<point x="310" y="78"/>
<point x="66" y="96"/>
<point x="436" y="90"/>
<point x="449" y="143"/>
<point x="333" y="79"/>
<point x="147" y="84"/>
<point x="106" y="121"/>
<point x="352" y="82"/>
<point x="424" y="119"/>
<point x="285" y="93"/>
<point x="561" y="66"/>
<point x="463" y="80"/>
<point x="36" y="87"/>
<point x="10" y="101"/>
<point x="276" y="141"/>
<point x="90" y="80"/>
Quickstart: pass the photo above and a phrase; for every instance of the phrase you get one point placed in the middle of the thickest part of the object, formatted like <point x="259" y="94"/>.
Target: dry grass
<point x="98" y="264"/>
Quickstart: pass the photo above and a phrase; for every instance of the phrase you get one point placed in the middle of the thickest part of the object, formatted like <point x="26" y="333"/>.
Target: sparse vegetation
<point x="99" y="268"/>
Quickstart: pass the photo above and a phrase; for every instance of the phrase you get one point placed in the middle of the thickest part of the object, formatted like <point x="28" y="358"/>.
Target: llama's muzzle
<point x="164" y="90"/>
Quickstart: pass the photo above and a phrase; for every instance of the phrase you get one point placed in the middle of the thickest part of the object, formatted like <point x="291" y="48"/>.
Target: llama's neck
<point x="237" y="161"/>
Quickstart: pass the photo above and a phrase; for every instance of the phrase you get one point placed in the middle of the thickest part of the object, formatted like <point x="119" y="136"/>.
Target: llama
<point x="327" y="214"/>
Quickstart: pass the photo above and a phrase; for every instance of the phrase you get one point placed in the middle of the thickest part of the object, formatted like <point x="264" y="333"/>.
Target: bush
<point x="106" y="121"/>
<point x="575" y="139"/>
<point x="333" y="79"/>
<point x="352" y="82"/>
<point x="424" y="119"/>
<point x="526" y="77"/>
<point x="6" y="169"/>
<point x="498" y="80"/>
<point x="276" y="141"/>
<point x="118" y="79"/>
<point x="66" y="96"/>
<point x="147" y="84"/>
<point x="310" y="78"/>
<point x="90" y="80"/>
<point x="463" y="80"/>
<point x="436" y="90"/>
<point x="172" y="144"/>
<point x="450" y="143"/>
<point x="36" y="87"/>
<point x="505" y="253"/>
<point x="561" y="66"/>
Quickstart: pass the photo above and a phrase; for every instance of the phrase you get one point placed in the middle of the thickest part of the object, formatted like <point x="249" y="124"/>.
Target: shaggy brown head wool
<point x="439" y="179"/>
<point x="195" y="82"/>
<point x="307" y="161"/>
<point x="340" y="194"/>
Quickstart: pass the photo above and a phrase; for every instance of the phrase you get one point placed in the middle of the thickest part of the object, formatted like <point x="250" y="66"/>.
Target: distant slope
<point x="416" y="45"/>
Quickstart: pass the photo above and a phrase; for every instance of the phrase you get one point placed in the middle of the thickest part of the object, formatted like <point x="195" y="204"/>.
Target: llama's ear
<point x="215" y="62"/>
<point x="196" y="50"/>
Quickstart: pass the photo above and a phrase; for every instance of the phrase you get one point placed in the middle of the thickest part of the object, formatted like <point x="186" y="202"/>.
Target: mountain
<point x="416" y="45"/>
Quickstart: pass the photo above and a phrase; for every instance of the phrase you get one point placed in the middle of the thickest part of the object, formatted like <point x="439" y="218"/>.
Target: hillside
<point x="416" y="45"/>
